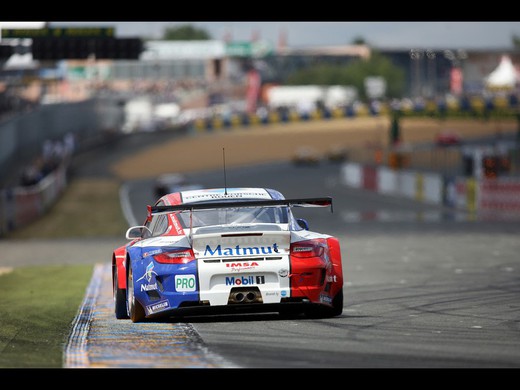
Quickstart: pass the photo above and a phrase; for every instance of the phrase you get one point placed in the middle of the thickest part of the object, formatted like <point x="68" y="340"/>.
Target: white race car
<point x="226" y="250"/>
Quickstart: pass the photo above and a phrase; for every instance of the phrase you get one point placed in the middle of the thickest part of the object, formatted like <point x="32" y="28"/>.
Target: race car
<point x="227" y="250"/>
<point x="172" y="182"/>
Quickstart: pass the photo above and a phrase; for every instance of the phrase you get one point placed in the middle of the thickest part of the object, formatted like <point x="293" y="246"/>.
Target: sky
<point x="385" y="34"/>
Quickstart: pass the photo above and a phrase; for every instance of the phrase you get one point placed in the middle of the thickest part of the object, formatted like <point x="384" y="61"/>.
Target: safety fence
<point x="22" y="205"/>
<point x="486" y="196"/>
<point x="23" y="136"/>
<point x="22" y="140"/>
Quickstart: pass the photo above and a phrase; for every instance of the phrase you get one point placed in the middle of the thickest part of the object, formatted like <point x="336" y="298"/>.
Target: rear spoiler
<point x="304" y="202"/>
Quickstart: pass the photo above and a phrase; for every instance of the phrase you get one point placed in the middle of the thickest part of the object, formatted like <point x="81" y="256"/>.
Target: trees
<point x="354" y="74"/>
<point x="185" y="33"/>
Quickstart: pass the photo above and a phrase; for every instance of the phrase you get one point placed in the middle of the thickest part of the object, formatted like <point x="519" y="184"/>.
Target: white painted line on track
<point x="75" y="355"/>
<point x="126" y="207"/>
<point x="99" y="340"/>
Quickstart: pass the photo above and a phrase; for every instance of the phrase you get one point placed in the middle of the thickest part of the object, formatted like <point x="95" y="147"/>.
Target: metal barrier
<point x="22" y="139"/>
<point x="484" y="195"/>
<point x="20" y="206"/>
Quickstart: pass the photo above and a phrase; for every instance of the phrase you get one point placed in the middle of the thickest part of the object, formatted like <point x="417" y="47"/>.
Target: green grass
<point x="37" y="308"/>
<point x="87" y="208"/>
<point x="38" y="304"/>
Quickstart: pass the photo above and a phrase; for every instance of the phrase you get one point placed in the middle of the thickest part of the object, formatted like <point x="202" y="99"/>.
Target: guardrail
<point x="20" y="206"/>
<point x="486" y="196"/>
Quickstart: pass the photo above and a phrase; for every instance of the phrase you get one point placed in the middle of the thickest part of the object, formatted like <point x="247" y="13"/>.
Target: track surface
<point x="99" y="340"/>
<point x="425" y="288"/>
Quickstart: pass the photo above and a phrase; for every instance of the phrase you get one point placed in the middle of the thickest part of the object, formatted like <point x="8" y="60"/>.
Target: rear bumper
<point x="294" y="305"/>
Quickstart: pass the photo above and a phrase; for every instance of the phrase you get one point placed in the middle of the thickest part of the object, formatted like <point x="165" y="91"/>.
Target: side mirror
<point x="136" y="232"/>
<point x="303" y="223"/>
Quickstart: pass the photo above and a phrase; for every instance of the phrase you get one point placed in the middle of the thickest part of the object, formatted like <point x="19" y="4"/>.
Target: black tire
<point x="327" y="312"/>
<point x="337" y="304"/>
<point x="119" y="299"/>
<point x="135" y="310"/>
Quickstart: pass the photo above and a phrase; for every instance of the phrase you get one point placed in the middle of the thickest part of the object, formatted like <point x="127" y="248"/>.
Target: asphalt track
<point x="99" y="340"/>
<point x="424" y="288"/>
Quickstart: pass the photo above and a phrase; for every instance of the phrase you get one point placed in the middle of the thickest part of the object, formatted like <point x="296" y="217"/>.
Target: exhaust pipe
<point x="238" y="297"/>
<point x="241" y="297"/>
<point x="250" y="296"/>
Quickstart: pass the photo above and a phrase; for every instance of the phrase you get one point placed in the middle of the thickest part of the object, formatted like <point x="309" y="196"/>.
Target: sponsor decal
<point x="229" y="193"/>
<point x="148" y="287"/>
<point x="185" y="283"/>
<point x="326" y="299"/>
<point x="242" y="266"/>
<point x="332" y="279"/>
<point x="148" y="273"/>
<point x="283" y="293"/>
<point x="156" y="307"/>
<point x="176" y="225"/>
<point x="151" y="253"/>
<point x="271" y="293"/>
<point x="283" y="273"/>
<point x="244" y="280"/>
<point x="240" y="251"/>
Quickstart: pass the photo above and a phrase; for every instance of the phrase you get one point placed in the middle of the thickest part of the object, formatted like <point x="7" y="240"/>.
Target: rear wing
<point x="304" y="202"/>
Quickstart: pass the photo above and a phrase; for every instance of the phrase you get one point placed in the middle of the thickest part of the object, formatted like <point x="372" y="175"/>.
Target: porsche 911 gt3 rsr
<point x="227" y="250"/>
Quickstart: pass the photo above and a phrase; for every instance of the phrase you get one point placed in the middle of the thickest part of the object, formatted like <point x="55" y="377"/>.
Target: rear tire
<point x="327" y="312"/>
<point x="135" y="310"/>
<point x="119" y="299"/>
<point x="337" y="304"/>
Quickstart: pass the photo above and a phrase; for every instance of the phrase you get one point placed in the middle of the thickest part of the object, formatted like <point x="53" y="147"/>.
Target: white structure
<point x="505" y="76"/>
<point x="309" y="96"/>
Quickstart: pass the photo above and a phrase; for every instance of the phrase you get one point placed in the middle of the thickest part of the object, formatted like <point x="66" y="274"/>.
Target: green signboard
<point x="249" y="49"/>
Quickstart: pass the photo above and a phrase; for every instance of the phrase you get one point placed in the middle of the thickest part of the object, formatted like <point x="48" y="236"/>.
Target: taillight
<point x="314" y="248"/>
<point x="175" y="257"/>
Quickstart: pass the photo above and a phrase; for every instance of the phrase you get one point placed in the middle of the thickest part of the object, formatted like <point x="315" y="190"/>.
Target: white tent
<point x="21" y="62"/>
<point x="504" y="76"/>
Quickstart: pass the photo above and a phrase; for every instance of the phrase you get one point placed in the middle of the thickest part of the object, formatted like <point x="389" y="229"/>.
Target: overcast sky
<point x="421" y="35"/>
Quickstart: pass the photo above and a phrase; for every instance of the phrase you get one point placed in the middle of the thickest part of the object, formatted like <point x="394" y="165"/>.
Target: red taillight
<point x="176" y="257"/>
<point x="314" y="248"/>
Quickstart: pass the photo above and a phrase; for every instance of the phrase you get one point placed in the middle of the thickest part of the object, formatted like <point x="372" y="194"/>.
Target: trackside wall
<point x="486" y="196"/>
<point x="22" y="137"/>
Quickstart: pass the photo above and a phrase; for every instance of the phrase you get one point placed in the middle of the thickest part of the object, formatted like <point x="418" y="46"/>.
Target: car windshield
<point x="239" y="215"/>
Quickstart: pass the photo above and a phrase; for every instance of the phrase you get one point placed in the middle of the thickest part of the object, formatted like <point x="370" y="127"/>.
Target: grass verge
<point x="40" y="303"/>
<point x="88" y="208"/>
<point x="38" y="306"/>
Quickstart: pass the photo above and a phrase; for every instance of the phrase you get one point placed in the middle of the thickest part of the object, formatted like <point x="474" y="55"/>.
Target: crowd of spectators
<point x="12" y="102"/>
<point x="161" y="91"/>
<point x="54" y="153"/>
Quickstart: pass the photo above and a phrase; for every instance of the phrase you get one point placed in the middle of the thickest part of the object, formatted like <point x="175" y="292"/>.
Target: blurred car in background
<point x="306" y="155"/>
<point x="448" y="138"/>
<point x="168" y="183"/>
<point x="337" y="153"/>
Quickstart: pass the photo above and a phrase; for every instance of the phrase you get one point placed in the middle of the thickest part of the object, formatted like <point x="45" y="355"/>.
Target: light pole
<point x="416" y="56"/>
<point x="432" y="72"/>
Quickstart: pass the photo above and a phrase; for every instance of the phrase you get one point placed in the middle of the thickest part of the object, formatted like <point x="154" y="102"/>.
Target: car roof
<point x="222" y="194"/>
<point x="212" y="194"/>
